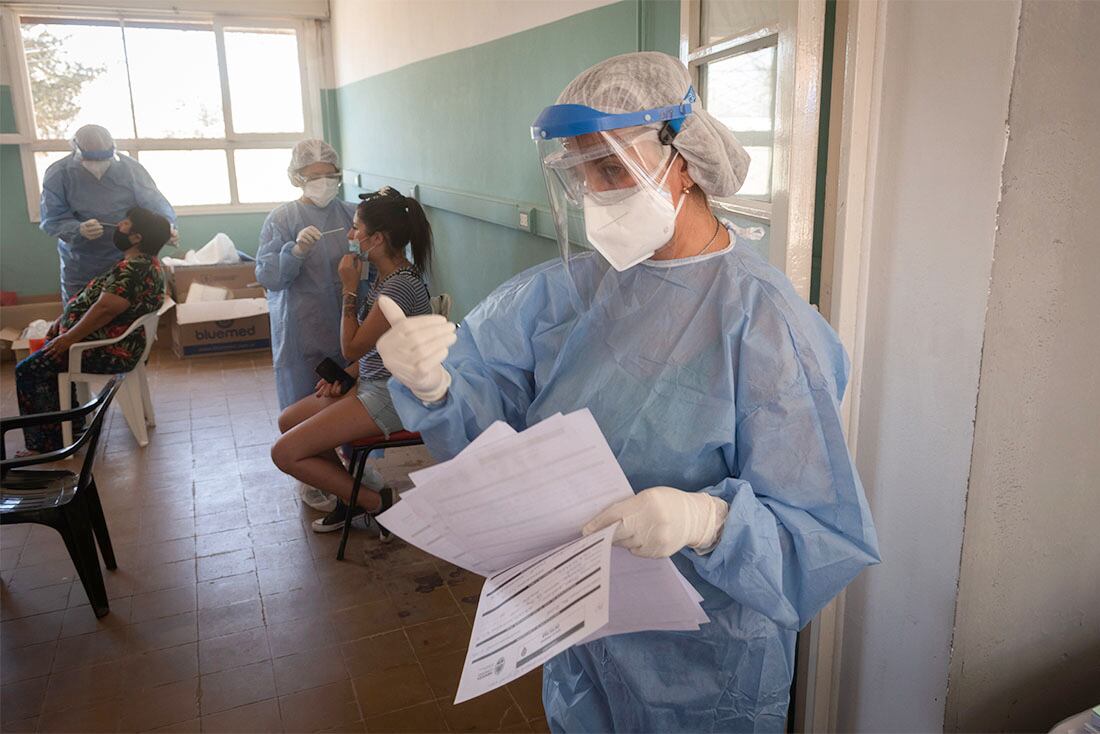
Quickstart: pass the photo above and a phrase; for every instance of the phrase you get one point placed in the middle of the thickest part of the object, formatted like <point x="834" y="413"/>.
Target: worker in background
<point x="716" y="386"/>
<point x="87" y="193"/>
<point x="301" y="245"/>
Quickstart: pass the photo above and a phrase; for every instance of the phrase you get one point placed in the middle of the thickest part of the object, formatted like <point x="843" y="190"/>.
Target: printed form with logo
<point x="510" y="508"/>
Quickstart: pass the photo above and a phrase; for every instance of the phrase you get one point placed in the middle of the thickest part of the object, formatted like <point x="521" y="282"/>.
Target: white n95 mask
<point x="97" y="168"/>
<point x="630" y="230"/>
<point x="321" y="191"/>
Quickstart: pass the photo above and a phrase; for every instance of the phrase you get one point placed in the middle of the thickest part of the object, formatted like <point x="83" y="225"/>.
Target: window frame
<point x="309" y="47"/>
<point x="698" y="56"/>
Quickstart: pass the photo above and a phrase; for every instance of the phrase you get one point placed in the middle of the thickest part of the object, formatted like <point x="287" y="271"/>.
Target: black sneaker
<point x="389" y="496"/>
<point x="335" y="520"/>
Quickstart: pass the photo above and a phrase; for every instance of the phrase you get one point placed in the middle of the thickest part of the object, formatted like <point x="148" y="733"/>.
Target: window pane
<point x="78" y="77"/>
<point x="740" y="92"/>
<point x="758" y="181"/>
<point x="177" y="89"/>
<point x="723" y="19"/>
<point x="189" y="177"/>
<point x="45" y="159"/>
<point x="261" y="176"/>
<point x="265" y="83"/>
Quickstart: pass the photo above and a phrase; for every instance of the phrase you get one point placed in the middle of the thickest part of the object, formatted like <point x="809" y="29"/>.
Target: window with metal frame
<point x="732" y="49"/>
<point x="192" y="101"/>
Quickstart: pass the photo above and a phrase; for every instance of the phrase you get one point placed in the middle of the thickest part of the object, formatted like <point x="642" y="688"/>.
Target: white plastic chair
<point x="133" y="396"/>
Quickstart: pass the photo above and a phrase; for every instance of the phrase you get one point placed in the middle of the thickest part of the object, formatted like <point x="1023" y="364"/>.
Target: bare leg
<point x="306" y="450"/>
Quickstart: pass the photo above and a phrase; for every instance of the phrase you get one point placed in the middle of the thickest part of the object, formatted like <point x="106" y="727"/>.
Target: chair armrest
<point x="41" y="419"/>
<point x="76" y="351"/>
<point x="46" y="458"/>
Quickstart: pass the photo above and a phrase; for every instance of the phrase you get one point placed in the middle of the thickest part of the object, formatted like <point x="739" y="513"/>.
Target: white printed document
<point x="510" y="508"/>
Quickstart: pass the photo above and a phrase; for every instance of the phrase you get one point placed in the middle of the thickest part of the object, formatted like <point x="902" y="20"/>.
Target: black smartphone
<point x="331" y="372"/>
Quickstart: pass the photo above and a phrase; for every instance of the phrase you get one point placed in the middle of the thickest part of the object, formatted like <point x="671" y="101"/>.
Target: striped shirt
<point x="408" y="291"/>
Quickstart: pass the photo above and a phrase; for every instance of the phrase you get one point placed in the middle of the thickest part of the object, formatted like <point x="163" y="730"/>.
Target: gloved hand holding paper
<point x="510" y="508"/>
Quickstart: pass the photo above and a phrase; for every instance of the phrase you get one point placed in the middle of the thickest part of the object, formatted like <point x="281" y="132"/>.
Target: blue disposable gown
<point x="303" y="293"/>
<point x="71" y="195"/>
<point x="710" y="375"/>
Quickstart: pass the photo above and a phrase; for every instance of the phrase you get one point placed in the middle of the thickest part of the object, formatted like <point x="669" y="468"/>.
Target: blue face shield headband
<point x="96" y="155"/>
<point x="571" y="120"/>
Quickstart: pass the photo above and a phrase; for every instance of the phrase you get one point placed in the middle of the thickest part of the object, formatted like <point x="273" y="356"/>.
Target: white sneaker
<point x="317" y="499"/>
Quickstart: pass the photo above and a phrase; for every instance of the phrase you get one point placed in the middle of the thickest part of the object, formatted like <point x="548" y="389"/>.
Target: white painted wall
<point x="374" y="36"/>
<point x="1027" y="638"/>
<point x="946" y="77"/>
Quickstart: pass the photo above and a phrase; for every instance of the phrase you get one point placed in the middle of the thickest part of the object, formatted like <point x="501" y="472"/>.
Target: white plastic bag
<point x="218" y="251"/>
<point x="36" y="329"/>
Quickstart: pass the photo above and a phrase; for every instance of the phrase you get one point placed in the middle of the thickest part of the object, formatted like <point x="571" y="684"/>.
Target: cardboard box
<point x="239" y="324"/>
<point x="13" y="319"/>
<point x="217" y="327"/>
<point x="235" y="277"/>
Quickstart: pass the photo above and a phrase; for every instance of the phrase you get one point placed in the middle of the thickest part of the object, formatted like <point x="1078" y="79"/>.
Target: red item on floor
<point x="9" y="298"/>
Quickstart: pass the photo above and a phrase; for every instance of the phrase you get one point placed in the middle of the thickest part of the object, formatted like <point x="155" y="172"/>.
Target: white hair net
<point x="642" y="81"/>
<point x="93" y="139"/>
<point x="308" y="152"/>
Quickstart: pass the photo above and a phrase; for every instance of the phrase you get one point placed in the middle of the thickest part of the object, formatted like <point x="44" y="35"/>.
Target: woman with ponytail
<point x="386" y="225"/>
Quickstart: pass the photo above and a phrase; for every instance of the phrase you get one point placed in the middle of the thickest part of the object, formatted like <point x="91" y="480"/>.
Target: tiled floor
<point x="227" y="613"/>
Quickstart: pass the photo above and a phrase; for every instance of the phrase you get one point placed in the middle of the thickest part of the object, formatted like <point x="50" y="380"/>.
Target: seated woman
<point x="385" y="222"/>
<point x="103" y="309"/>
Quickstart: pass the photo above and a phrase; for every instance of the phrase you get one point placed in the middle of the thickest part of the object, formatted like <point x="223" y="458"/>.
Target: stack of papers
<point x="510" y="508"/>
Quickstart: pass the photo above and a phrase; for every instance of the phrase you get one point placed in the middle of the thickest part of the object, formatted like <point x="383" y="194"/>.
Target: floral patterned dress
<point x="139" y="280"/>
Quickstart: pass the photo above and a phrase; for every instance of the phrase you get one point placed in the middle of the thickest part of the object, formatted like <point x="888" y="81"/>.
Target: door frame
<point x="845" y="270"/>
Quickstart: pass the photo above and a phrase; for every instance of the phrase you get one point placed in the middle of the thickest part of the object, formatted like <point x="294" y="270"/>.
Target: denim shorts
<point x="375" y="397"/>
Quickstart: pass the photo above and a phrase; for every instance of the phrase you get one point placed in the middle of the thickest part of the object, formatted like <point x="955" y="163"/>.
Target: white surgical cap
<point x="643" y="81"/>
<point x="92" y="139"/>
<point x="308" y="152"/>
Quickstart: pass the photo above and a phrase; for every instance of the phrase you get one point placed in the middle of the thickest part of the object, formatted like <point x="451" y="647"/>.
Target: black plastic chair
<point x="66" y="501"/>
<point x="360" y="450"/>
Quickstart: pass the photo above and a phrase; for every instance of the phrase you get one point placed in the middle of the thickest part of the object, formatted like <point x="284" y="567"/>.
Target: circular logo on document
<point x="498" y="667"/>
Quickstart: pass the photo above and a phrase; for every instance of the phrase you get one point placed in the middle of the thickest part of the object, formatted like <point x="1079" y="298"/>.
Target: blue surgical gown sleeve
<point x="57" y="218"/>
<point x="276" y="265"/>
<point x="799" y="529"/>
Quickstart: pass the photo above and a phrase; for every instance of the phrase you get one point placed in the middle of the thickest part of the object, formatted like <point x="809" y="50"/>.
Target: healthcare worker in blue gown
<point x="301" y="244"/>
<point x="87" y="192"/>
<point x="717" y="387"/>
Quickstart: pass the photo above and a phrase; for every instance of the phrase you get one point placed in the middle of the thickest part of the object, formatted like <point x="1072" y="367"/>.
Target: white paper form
<point x="525" y="494"/>
<point x="531" y="612"/>
<point x="649" y="594"/>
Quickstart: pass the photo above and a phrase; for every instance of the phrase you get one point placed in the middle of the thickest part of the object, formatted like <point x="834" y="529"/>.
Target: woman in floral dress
<point x="103" y="309"/>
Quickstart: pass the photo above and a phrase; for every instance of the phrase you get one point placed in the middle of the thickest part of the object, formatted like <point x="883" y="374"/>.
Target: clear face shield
<point x="608" y="191"/>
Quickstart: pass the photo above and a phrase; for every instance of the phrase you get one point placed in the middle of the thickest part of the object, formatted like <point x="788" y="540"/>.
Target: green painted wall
<point x="460" y="122"/>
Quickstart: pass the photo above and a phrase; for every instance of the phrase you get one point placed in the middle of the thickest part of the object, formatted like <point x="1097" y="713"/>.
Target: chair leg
<point x="133" y="410"/>
<point x="99" y="525"/>
<point x="65" y="402"/>
<point x="76" y="530"/>
<point x="359" y="461"/>
<point x="146" y="396"/>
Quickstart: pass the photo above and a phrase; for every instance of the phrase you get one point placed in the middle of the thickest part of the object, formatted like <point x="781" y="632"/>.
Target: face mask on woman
<point x="96" y="168"/>
<point x="630" y="230"/>
<point x="321" y="191"/>
<point x="122" y="240"/>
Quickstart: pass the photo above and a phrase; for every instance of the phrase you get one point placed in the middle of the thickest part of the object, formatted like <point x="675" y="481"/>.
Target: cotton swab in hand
<point x="331" y="231"/>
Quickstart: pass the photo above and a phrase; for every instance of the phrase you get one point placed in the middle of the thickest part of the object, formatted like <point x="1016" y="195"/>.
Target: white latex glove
<point x="659" y="521"/>
<point x="414" y="348"/>
<point x="91" y="229"/>
<point x="174" y="239"/>
<point x="307" y="238"/>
